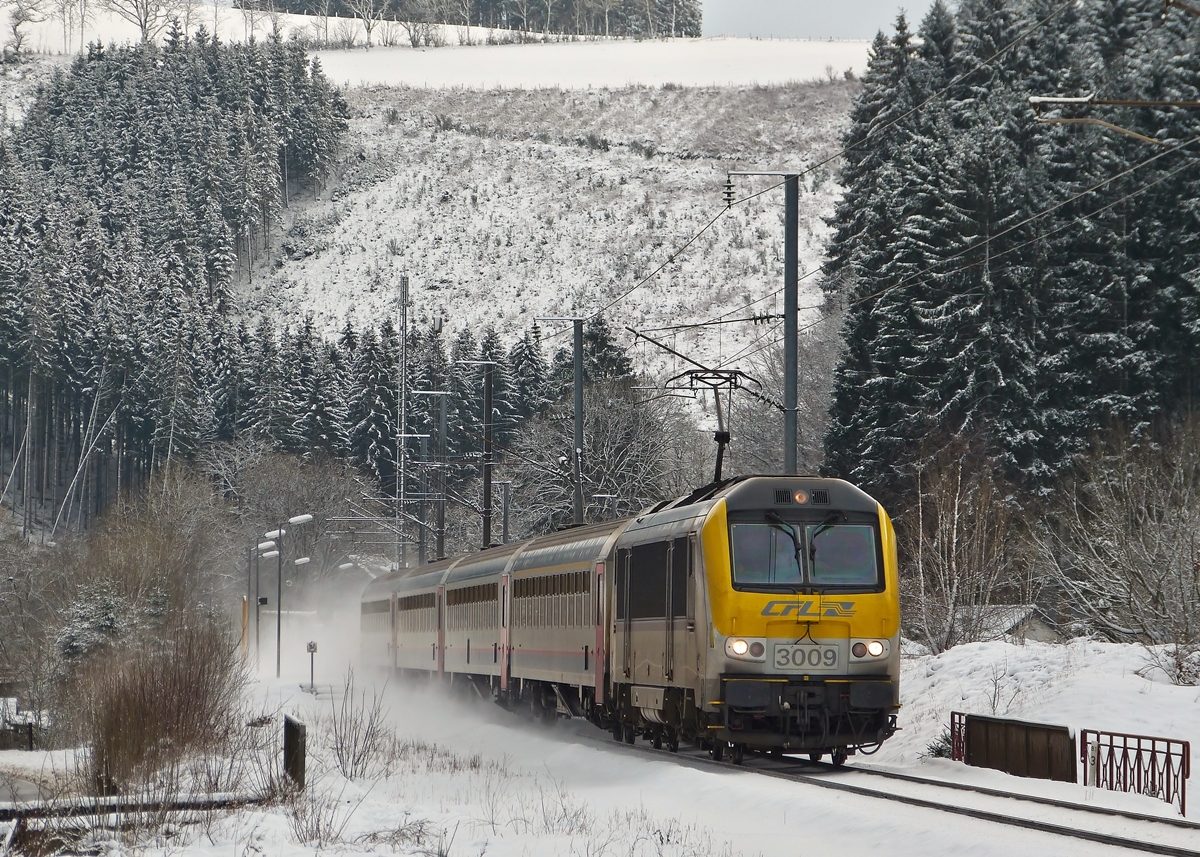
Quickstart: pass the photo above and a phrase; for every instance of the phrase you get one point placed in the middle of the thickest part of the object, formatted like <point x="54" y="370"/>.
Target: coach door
<point x="601" y="656"/>
<point x="441" y="630"/>
<point x="504" y="620"/>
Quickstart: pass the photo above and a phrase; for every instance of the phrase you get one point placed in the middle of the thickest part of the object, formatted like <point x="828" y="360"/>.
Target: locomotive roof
<point x="582" y="544"/>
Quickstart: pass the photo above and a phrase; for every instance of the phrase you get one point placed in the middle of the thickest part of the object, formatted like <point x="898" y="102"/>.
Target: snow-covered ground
<point x="501" y="206"/>
<point x="477" y="780"/>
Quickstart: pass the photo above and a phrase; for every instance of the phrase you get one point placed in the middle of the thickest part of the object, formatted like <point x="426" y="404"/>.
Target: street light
<point x="277" y="535"/>
<point x="258" y="600"/>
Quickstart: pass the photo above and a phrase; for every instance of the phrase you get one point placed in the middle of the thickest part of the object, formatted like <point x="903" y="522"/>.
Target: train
<point x="759" y="613"/>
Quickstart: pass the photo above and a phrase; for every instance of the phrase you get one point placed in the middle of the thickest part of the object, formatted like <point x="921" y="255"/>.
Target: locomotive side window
<point x="765" y="555"/>
<point x="680" y="563"/>
<point x="648" y="581"/>
<point x="842" y="554"/>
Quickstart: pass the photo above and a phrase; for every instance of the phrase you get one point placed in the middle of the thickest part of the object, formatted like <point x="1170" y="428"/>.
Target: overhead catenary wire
<point x="1041" y="237"/>
<point x="871" y="134"/>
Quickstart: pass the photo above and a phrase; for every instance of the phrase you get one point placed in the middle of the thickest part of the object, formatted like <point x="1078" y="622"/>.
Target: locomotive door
<point x="677" y="581"/>
<point x="504" y="621"/>
<point x="441" y="630"/>
<point x="624" y="615"/>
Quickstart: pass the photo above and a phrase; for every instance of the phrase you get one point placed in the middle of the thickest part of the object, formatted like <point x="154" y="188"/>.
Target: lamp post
<point x="258" y="557"/>
<point x="277" y="535"/>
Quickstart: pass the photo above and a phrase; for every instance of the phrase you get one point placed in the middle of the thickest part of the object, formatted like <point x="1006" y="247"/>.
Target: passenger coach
<point x="760" y="612"/>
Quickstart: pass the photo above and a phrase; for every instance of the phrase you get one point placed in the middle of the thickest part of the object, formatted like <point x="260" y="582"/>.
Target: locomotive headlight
<point x="745" y="650"/>
<point x="868" y="649"/>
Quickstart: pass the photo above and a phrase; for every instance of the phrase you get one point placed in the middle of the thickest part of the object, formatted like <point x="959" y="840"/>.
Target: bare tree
<point x="252" y="15"/>
<point x="189" y="13"/>
<point x="23" y="12"/>
<point x="637" y="453"/>
<point x="320" y="24"/>
<point x="959" y="539"/>
<point x="607" y="6"/>
<point x="1124" y="544"/>
<point x="67" y="12"/>
<point x="417" y="18"/>
<point x="149" y="16"/>
<point x="278" y="487"/>
<point x="370" y="12"/>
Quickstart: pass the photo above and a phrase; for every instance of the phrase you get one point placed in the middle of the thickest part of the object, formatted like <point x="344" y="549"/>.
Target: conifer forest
<point x="1015" y="282"/>
<point x="1021" y="286"/>
<point x="621" y="18"/>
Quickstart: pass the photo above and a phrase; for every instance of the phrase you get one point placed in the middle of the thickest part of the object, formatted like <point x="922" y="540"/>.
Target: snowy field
<point x="682" y="62"/>
<point x="470" y="779"/>
<point x="466" y="60"/>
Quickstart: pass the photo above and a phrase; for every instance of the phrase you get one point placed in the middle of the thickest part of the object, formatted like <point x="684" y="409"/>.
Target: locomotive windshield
<point x="764" y="554"/>
<point x="841" y="554"/>
<point x="784" y="555"/>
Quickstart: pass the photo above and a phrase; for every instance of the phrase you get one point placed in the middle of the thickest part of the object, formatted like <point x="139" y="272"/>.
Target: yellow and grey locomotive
<point x="756" y="613"/>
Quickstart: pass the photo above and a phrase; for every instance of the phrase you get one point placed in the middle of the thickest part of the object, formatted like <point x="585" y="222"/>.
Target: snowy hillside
<point x="504" y="205"/>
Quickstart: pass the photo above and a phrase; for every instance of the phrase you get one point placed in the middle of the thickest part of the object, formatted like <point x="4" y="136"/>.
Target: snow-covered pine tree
<point x="372" y="411"/>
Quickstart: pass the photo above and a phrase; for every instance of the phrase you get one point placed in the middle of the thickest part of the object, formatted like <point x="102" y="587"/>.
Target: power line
<point x="1034" y="240"/>
<point x="871" y="134"/>
<point x="985" y="241"/>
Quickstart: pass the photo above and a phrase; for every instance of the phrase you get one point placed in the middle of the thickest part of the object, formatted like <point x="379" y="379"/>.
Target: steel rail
<point x="1047" y="801"/>
<point x="779" y="772"/>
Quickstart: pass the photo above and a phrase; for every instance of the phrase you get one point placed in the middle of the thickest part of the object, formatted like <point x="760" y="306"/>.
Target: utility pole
<point x="439" y="529"/>
<point x="487" y="454"/>
<point x="791" y="280"/>
<point x="577" y="457"/>
<point x="488" y="366"/>
<point x="424" y="496"/>
<point x="402" y="428"/>
<point x="440" y="535"/>
<point x="505" y="493"/>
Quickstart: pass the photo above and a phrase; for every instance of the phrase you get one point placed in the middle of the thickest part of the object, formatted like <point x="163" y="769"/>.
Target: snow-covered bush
<point x="356" y="730"/>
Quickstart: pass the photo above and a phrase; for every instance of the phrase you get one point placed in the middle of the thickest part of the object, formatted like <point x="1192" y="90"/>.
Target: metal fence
<point x="1158" y="767"/>
<point x="1014" y="746"/>
<point x="958" y="736"/>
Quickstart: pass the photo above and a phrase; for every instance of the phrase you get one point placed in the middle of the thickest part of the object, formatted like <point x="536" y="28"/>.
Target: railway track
<point x="1117" y="828"/>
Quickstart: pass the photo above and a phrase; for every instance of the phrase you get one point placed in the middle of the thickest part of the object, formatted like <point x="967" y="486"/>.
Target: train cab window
<point x="841" y="554"/>
<point x="765" y="555"/>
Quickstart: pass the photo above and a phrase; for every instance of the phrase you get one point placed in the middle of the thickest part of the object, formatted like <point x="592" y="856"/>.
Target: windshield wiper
<point x="825" y="525"/>
<point x="779" y="523"/>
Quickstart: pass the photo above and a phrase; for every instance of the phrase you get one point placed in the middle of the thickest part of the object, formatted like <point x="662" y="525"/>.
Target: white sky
<point x="808" y="19"/>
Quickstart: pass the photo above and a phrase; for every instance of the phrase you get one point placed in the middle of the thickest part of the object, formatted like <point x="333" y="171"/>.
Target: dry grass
<point x="356" y="730"/>
<point x="144" y="710"/>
